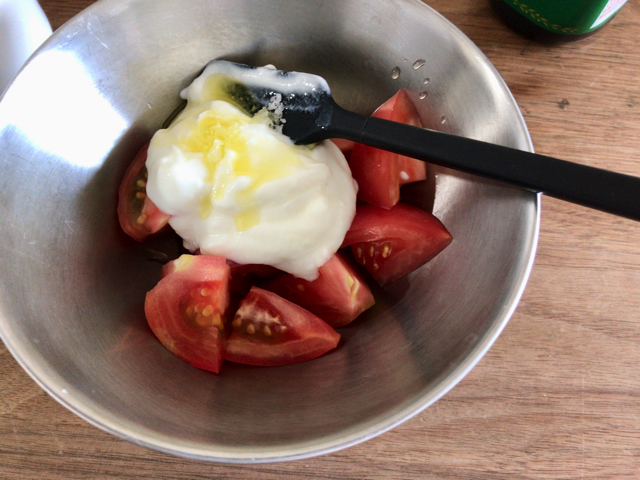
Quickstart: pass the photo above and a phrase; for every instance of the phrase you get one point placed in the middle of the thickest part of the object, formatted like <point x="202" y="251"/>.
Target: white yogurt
<point x="238" y="189"/>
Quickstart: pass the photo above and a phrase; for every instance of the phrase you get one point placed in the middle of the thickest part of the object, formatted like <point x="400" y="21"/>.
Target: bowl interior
<point x="73" y="285"/>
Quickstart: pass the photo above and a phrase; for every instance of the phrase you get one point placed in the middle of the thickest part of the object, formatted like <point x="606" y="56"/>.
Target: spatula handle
<point x="604" y="190"/>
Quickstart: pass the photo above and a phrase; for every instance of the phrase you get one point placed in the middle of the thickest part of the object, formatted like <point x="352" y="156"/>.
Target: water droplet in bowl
<point x="422" y="95"/>
<point x="443" y="120"/>
<point x="419" y="63"/>
<point x="395" y="72"/>
<point x="426" y="80"/>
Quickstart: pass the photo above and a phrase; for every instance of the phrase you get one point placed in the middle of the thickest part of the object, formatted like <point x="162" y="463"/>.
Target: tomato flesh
<point x="391" y="243"/>
<point x="186" y="309"/>
<point x="139" y="217"/>
<point x="379" y="173"/>
<point x="337" y="296"/>
<point x="243" y="277"/>
<point x="268" y="330"/>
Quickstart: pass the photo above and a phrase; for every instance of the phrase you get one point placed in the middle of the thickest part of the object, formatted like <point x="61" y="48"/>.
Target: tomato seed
<point x="352" y="285"/>
<point x="201" y="321"/>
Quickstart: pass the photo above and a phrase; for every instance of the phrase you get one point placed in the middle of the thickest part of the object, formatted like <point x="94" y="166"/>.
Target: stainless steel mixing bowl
<point x="73" y="284"/>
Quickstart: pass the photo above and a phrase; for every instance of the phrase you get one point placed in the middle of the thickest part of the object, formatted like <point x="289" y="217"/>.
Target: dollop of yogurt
<point x="239" y="189"/>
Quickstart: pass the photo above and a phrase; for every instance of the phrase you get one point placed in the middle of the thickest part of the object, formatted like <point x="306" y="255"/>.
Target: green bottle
<point x="556" y="21"/>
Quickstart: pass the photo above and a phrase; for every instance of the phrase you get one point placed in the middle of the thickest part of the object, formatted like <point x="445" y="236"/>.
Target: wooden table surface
<point x="557" y="396"/>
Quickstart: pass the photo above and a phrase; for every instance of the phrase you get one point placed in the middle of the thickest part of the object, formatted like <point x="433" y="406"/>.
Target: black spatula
<point x="301" y="105"/>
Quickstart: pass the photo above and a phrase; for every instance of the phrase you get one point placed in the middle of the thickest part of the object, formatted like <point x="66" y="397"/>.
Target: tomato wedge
<point x="139" y="217"/>
<point x="379" y="173"/>
<point x="186" y="309"/>
<point x="268" y="330"/>
<point x="337" y="296"/>
<point x="392" y="243"/>
<point x="243" y="277"/>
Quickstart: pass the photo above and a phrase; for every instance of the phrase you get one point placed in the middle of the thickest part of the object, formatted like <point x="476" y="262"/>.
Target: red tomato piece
<point x="392" y="243"/>
<point x="243" y="277"/>
<point x="269" y="330"/>
<point x="411" y="170"/>
<point x="139" y="217"/>
<point x="337" y="296"/>
<point x="379" y="173"/>
<point x="186" y="309"/>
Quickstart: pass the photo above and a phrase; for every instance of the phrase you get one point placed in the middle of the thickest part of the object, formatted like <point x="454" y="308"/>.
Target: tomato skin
<point x="379" y="173"/>
<point x="392" y="243"/>
<point x="338" y="296"/>
<point x="269" y="331"/>
<point x="411" y="170"/>
<point x="139" y="217"/>
<point x="186" y="309"/>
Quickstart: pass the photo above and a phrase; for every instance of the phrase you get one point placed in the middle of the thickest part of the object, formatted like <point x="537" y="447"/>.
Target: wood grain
<point x="557" y="396"/>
